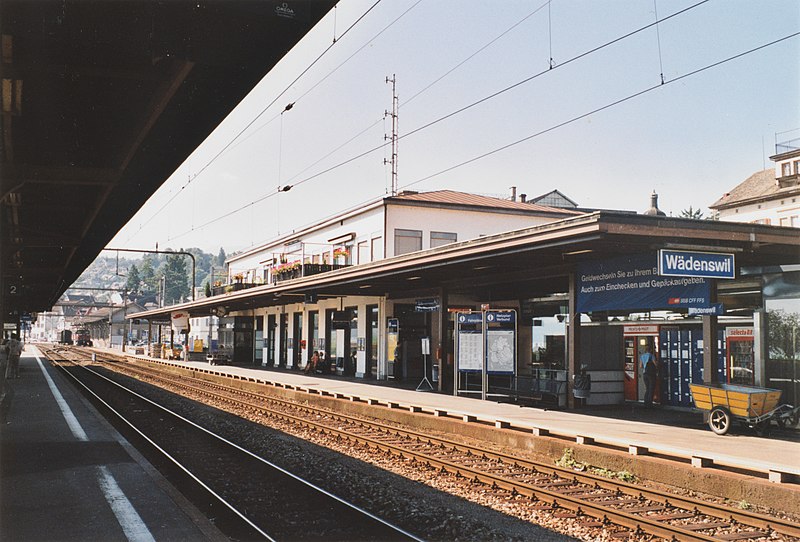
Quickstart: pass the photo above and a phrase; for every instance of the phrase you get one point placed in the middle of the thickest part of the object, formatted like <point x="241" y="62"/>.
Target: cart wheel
<point x="719" y="420"/>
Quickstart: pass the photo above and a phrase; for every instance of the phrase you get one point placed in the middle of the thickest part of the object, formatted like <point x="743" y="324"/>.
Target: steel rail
<point x="721" y="512"/>
<point x="226" y="441"/>
<point x="582" y="505"/>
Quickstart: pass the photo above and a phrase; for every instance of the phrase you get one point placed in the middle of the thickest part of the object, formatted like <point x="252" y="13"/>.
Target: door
<point x="372" y="342"/>
<point x="297" y="339"/>
<point x="259" y="344"/>
<point x="271" y="325"/>
<point x="283" y="340"/>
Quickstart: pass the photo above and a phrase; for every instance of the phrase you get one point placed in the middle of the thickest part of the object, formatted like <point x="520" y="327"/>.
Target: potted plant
<point x="340" y="255"/>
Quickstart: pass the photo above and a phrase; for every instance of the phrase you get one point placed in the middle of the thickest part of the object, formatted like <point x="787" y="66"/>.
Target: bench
<point x="536" y="391"/>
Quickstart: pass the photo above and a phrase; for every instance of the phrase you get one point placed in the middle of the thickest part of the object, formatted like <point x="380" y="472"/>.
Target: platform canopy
<point x="101" y="102"/>
<point x="527" y="263"/>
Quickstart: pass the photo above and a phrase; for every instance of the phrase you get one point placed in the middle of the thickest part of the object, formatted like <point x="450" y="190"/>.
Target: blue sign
<point x="470" y="318"/>
<point x="715" y="309"/>
<point x="683" y="263"/>
<point x="633" y="282"/>
<point x="504" y="317"/>
<point x="426" y="305"/>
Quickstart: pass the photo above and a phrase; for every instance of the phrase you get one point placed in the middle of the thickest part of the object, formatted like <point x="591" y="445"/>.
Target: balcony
<point x="233" y="287"/>
<point x="787" y="146"/>
<point x="305" y="271"/>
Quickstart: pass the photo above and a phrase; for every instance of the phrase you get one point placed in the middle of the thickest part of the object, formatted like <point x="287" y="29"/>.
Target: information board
<point x="500" y="351"/>
<point x="470" y="351"/>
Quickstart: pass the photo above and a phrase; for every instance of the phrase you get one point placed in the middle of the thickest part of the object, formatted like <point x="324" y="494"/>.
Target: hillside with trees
<point x="151" y="277"/>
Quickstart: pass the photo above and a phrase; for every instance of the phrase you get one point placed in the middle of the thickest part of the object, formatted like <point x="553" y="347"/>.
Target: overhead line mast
<point x="393" y="137"/>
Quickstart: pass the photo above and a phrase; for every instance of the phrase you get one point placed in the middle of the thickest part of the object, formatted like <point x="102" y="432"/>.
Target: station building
<point x="510" y="300"/>
<point x="771" y="196"/>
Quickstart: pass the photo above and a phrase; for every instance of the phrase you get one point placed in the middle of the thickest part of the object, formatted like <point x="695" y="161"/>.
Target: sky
<point x="482" y="110"/>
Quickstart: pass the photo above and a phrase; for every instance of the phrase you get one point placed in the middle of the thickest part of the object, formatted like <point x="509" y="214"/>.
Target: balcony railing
<point x="306" y="271"/>
<point x="233" y="287"/>
<point x="787" y="146"/>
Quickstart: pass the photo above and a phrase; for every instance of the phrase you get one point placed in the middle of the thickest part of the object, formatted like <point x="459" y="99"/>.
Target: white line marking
<point x="72" y="421"/>
<point x="132" y="525"/>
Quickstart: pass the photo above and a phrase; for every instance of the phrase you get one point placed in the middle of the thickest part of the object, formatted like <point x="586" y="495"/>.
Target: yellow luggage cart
<point x="754" y="406"/>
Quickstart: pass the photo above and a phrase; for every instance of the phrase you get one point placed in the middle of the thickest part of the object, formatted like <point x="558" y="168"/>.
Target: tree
<point x="784" y="334"/>
<point x="696" y="214"/>
<point x="221" y="257"/>
<point x="148" y="276"/>
<point x="176" y="278"/>
<point x="133" y="283"/>
<point x="208" y="289"/>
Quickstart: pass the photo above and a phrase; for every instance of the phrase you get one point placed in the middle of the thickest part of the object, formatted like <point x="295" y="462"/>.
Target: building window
<point x="406" y="241"/>
<point x="784" y="221"/>
<point x="363" y="252"/>
<point x="786" y="169"/>
<point x="439" y="238"/>
<point x="797" y="167"/>
<point x="377" y="248"/>
<point x="794" y="222"/>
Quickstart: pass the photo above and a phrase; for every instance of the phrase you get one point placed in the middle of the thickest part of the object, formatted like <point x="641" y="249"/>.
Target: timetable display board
<point x="486" y="341"/>
<point x="469" y="347"/>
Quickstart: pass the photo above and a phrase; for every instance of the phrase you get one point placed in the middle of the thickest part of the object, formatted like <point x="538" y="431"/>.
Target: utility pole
<point x="393" y="137"/>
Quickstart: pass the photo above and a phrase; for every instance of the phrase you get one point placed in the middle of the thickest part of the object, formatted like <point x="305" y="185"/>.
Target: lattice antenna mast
<point x="393" y="137"/>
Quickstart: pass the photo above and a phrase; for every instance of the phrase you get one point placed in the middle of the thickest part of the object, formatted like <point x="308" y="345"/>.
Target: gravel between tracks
<point x="431" y="506"/>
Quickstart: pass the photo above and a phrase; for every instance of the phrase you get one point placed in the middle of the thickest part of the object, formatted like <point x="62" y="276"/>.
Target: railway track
<point x="275" y="505"/>
<point x="625" y="510"/>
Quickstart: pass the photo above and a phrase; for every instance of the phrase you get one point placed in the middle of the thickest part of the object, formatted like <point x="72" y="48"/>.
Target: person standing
<point x="3" y="367"/>
<point x="649" y="370"/>
<point x="14" y="353"/>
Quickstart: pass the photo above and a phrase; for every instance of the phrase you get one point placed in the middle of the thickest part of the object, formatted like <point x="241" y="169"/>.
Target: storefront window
<point x="782" y="304"/>
<point x="783" y="348"/>
<point x="549" y="343"/>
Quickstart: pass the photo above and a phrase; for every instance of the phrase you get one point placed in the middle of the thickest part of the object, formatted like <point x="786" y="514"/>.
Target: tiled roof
<point x="759" y="185"/>
<point x="452" y="197"/>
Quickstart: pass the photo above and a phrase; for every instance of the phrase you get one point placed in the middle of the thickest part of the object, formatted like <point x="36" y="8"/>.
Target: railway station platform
<point x="66" y="474"/>
<point x="633" y="429"/>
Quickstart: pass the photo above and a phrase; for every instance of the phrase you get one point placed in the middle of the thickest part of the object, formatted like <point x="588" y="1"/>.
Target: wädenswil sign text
<point x="682" y="263"/>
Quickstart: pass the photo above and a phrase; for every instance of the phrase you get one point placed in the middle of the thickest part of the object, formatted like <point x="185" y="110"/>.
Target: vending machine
<point x="741" y="355"/>
<point x="637" y="338"/>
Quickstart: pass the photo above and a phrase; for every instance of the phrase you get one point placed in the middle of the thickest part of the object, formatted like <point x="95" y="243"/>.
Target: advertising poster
<point x="633" y="283"/>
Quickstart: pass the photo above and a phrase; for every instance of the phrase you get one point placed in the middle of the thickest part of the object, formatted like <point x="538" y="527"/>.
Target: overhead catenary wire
<point x="658" y="40"/>
<point x="456" y="112"/>
<point x="529" y="137"/>
<point x="603" y="108"/>
<point x="264" y="110"/>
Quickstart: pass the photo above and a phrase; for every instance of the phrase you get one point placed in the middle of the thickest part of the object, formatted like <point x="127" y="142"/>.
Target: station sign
<point x="426" y="305"/>
<point x="499" y="317"/>
<point x="640" y="329"/>
<point x="470" y="318"/>
<point x="685" y="263"/>
<point x="715" y="309"/>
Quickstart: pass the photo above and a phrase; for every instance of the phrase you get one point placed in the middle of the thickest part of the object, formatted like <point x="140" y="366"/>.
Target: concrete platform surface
<point x="65" y="474"/>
